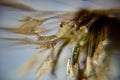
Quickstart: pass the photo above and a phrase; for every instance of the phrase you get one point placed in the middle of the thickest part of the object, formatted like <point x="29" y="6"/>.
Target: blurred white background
<point x="13" y="54"/>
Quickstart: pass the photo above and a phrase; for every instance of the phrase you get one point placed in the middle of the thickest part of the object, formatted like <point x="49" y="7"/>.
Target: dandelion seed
<point x="89" y="32"/>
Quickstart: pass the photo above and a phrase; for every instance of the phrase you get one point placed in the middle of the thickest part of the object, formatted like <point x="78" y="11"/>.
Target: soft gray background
<point x="13" y="54"/>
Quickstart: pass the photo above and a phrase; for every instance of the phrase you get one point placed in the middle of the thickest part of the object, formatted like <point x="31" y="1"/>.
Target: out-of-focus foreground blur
<point x="16" y="49"/>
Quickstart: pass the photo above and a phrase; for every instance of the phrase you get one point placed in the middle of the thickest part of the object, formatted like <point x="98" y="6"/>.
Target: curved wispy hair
<point x="91" y="31"/>
<point x="95" y="34"/>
